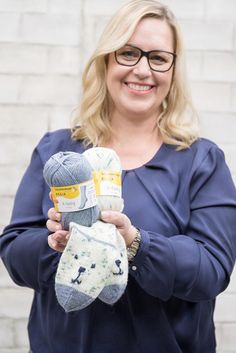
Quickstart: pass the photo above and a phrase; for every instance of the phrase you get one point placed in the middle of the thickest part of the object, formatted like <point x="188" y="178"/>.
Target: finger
<point x="123" y="224"/>
<point x="55" y="245"/>
<point x="118" y="219"/>
<point x="53" y="226"/>
<point x="53" y="215"/>
<point x="61" y="236"/>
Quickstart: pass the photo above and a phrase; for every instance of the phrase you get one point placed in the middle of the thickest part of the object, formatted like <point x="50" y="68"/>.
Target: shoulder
<point x="56" y="141"/>
<point x="202" y="155"/>
<point x="202" y="148"/>
<point x="205" y="159"/>
<point x="206" y="151"/>
<point x="197" y="151"/>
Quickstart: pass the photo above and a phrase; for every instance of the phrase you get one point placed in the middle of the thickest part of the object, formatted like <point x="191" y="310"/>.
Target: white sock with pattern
<point x="89" y="264"/>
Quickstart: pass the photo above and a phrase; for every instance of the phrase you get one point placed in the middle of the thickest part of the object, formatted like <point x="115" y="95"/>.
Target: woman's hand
<point x="59" y="238"/>
<point x="123" y="224"/>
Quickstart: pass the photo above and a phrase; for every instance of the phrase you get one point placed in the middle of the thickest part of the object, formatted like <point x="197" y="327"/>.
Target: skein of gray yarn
<point x="70" y="168"/>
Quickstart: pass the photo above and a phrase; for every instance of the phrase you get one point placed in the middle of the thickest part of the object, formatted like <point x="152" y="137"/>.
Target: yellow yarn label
<point x="74" y="198"/>
<point x="107" y="183"/>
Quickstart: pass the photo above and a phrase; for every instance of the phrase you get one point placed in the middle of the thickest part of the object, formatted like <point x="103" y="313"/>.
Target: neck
<point x="127" y="130"/>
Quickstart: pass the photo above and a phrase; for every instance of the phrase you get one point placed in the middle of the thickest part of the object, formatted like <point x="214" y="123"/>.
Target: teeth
<point x="139" y="87"/>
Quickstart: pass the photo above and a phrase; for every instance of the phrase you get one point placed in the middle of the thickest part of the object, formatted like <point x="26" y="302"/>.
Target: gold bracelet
<point x="133" y="248"/>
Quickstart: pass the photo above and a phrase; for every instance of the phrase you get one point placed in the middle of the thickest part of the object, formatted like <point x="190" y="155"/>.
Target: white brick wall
<point x="43" y="48"/>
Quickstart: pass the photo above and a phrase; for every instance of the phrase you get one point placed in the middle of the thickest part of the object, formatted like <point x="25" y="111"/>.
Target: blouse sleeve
<point x="23" y="244"/>
<point x="196" y="265"/>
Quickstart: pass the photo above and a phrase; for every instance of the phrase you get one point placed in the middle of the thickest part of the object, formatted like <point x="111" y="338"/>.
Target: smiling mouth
<point x="138" y="87"/>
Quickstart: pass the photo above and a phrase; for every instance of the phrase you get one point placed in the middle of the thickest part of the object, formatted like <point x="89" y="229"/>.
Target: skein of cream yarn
<point x="104" y="159"/>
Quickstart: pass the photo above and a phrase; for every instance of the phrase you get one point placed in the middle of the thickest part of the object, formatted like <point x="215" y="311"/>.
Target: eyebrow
<point x="134" y="46"/>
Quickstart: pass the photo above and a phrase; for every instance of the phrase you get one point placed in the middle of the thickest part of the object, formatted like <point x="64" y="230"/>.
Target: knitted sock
<point x="66" y="170"/>
<point x="106" y="165"/>
<point x="88" y="263"/>
<point x="116" y="280"/>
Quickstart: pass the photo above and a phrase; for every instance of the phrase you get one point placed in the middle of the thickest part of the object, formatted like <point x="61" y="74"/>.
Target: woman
<point x="179" y="218"/>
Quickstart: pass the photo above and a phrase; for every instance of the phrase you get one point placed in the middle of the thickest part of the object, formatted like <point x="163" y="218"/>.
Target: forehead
<point x="153" y="33"/>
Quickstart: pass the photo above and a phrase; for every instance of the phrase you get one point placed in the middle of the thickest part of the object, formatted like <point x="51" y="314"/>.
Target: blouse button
<point x="134" y="268"/>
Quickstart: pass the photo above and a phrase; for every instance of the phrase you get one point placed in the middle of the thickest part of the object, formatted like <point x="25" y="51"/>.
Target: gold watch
<point x="133" y="248"/>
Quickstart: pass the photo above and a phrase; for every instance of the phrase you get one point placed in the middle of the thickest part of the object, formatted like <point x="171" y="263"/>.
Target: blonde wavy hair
<point x="178" y="122"/>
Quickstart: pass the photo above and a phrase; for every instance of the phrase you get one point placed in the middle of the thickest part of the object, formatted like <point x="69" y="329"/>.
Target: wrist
<point x="131" y="236"/>
<point x="133" y="248"/>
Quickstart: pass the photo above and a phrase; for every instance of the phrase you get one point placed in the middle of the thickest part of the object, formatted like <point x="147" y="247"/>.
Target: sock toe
<point x="71" y="299"/>
<point x="110" y="294"/>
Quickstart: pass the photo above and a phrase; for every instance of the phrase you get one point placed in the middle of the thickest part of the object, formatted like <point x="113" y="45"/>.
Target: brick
<point x="194" y="61"/>
<point x="213" y="124"/>
<point x="211" y="97"/>
<point x="10" y="177"/>
<point x="6" y="333"/>
<point x="13" y="350"/>
<point x="6" y="205"/>
<point x="208" y="36"/>
<point x="226" y="339"/>
<point x="20" y="58"/>
<point x="92" y="30"/>
<point x="230" y="152"/>
<point x="187" y="9"/>
<point x="64" y="60"/>
<point x="21" y="333"/>
<point x="61" y="6"/>
<point x="9" y="27"/>
<point x="5" y="280"/>
<point x="17" y="149"/>
<point x="234" y="179"/>
<point x="217" y="10"/>
<point x="232" y="286"/>
<point x="234" y="38"/>
<point x="12" y="308"/>
<point x="105" y="9"/>
<point x="23" y="5"/>
<point x="224" y="308"/>
<point x="54" y="29"/>
<point x="33" y="118"/>
<point x="219" y="67"/>
<point x="234" y="97"/>
<point x="60" y="118"/>
<point x="61" y="90"/>
<point x="9" y="88"/>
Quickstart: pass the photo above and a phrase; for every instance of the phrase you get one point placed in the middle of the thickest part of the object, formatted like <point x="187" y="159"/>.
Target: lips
<point x="139" y="87"/>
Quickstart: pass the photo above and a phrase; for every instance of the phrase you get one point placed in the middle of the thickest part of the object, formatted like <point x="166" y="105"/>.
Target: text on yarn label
<point x="74" y="198"/>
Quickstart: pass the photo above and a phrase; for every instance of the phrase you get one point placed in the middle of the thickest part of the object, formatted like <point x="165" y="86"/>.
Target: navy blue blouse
<point x="184" y="203"/>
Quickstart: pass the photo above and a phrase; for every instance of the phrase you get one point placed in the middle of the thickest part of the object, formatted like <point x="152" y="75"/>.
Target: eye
<point x="76" y="257"/>
<point x="158" y="58"/>
<point x="128" y="53"/>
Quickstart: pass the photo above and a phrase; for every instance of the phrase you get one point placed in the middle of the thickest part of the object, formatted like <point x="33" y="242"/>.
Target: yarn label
<point x="107" y="183"/>
<point x="74" y="198"/>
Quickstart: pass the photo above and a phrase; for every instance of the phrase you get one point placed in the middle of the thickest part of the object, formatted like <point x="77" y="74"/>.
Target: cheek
<point x="164" y="79"/>
<point x="164" y="82"/>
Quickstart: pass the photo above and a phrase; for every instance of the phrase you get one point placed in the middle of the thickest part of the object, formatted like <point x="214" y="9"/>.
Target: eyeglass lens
<point x="158" y="60"/>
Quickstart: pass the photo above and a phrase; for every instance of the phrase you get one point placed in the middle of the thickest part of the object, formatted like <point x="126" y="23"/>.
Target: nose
<point x="118" y="262"/>
<point x="142" y="69"/>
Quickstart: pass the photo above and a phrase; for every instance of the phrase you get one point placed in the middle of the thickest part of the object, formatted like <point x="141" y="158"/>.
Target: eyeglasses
<point x="158" y="60"/>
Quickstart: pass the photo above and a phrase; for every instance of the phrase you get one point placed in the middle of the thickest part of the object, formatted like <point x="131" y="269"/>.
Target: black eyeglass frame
<point x="146" y="54"/>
